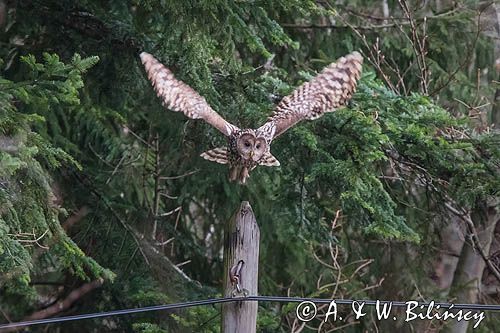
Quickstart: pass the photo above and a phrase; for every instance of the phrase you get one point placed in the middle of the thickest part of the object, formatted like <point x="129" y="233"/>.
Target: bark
<point x="471" y="266"/>
<point x="452" y="240"/>
<point x="495" y="110"/>
<point x="75" y="218"/>
<point x="241" y="248"/>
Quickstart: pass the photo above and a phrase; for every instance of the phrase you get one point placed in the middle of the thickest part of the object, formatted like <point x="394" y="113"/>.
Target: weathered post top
<point x="241" y="267"/>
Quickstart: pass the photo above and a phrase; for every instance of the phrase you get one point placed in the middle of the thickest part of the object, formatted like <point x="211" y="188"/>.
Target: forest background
<point x="105" y="203"/>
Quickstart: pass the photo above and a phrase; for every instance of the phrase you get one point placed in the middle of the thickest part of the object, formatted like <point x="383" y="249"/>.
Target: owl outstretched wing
<point x="178" y="96"/>
<point x="331" y="89"/>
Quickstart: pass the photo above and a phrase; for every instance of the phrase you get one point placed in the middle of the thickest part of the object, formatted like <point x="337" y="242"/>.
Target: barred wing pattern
<point x="332" y="88"/>
<point x="178" y="96"/>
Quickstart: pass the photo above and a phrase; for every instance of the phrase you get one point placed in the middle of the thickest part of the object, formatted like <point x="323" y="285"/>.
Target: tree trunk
<point x="452" y="242"/>
<point x="470" y="269"/>
<point x="495" y="110"/>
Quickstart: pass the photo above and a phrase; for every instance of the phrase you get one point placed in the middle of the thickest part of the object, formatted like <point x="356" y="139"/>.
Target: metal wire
<point x="280" y="299"/>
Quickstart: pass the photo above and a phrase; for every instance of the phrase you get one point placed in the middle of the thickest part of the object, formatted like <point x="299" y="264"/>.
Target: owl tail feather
<point x="269" y="160"/>
<point x="219" y="155"/>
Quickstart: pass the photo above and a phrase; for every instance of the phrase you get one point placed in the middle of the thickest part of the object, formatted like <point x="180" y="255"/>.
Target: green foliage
<point x="147" y="328"/>
<point x="199" y="319"/>
<point x="30" y="231"/>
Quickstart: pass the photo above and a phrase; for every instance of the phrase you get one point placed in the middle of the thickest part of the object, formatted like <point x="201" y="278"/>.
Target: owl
<point x="247" y="148"/>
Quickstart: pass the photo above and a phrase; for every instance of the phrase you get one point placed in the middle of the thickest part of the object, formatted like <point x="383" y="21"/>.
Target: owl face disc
<point x="249" y="147"/>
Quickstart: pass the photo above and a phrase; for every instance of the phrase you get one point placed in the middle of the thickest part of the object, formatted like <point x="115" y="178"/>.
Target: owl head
<point x="250" y="146"/>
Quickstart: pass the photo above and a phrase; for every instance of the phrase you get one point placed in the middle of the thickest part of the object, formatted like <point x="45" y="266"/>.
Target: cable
<point x="280" y="299"/>
<point x="118" y="312"/>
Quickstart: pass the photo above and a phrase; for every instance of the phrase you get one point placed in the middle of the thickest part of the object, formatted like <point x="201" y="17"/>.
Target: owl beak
<point x="251" y="154"/>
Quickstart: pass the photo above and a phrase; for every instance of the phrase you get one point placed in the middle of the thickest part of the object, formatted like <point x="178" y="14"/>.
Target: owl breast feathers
<point x="247" y="148"/>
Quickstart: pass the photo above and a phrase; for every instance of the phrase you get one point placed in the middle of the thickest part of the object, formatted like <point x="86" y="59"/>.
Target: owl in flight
<point x="247" y="148"/>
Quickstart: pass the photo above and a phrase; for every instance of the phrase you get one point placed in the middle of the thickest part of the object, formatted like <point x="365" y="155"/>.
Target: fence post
<point x="241" y="259"/>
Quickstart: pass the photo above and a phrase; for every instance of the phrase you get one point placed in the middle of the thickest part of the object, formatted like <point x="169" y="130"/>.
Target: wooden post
<point x="241" y="242"/>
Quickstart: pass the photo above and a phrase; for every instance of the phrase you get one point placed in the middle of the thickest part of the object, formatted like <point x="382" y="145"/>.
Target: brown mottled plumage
<point x="247" y="148"/>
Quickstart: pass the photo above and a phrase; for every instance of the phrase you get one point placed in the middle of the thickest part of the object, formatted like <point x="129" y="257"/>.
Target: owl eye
<point x="258" y="146"/>
<point x="247" y="144"/>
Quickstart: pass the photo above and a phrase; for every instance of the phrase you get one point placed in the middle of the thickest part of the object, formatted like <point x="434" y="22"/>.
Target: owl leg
<point x="233" y="172"/>
<point x="244" y="175"/>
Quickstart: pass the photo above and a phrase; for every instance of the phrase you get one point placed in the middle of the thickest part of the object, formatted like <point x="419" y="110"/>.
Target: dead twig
<point x="62" y="305"/>
<point x="418" y="44"/>
<point x="180" y="176"/>
<point x="465" y="216"/>
<point x="22" y="238"/>
<point x="156" y="174"/>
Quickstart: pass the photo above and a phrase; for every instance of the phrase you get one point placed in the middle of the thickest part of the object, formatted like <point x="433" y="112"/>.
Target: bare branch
<point x="21" y="238"/>
<point x="170" y="212"/>
<point x="464" y="216"/>
<point x="418" y="44"/>
<point x="63" y="305"/>
<point x="156" y="203"/>
<point x="76" y="217"/>
<point x="180" y="176"/>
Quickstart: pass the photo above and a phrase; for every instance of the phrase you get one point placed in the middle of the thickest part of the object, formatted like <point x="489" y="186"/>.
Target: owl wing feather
<point x="269" y="160"/>
<point x="219" y="155"/>
<point x="178" y="96"/>
<point x="331" y="89"/>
